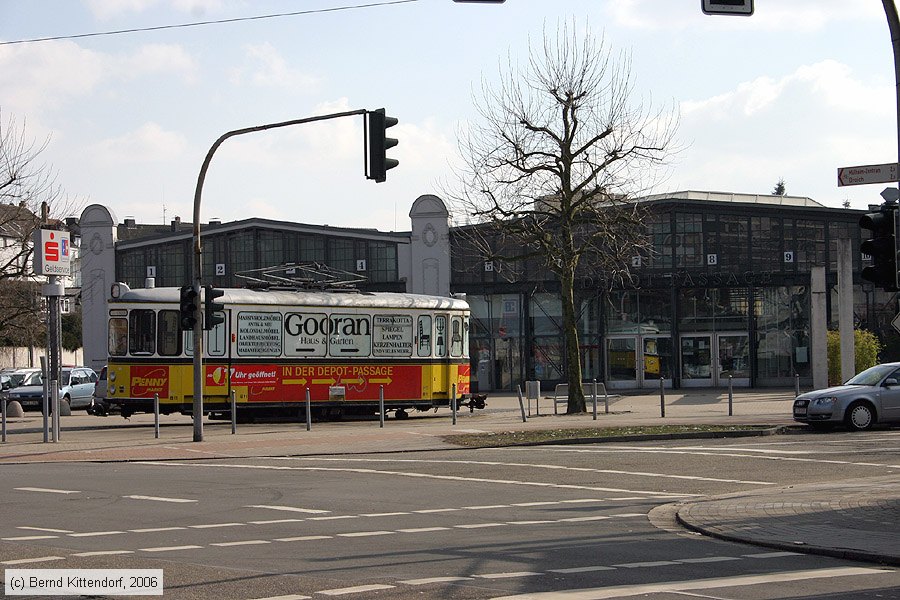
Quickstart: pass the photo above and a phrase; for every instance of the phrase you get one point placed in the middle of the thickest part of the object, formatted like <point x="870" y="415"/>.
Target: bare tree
<point x="551" y="170"/>
<point x="27" y="185"/>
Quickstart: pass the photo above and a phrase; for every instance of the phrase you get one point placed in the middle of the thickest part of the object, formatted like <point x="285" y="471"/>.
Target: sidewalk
<point x="855" y="520"/>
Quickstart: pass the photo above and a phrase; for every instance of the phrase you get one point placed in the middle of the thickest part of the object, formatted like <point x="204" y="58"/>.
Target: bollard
<point x="521" y="404"/>
<point x="796" y="384"/>
<point x="453" y="402"/>
<point x="594" y="381"/>
<point x="308" y="412"/>
<point x="54" y="396"/>
<point x="3" y="419"/>
<point x="605" y="399"/>
<point x="381" y="405"/>
<point x="233" y="412"/>
<point x="156" y="416"/>
<point x="662" y="398"/>
<point x="730" y="396"/>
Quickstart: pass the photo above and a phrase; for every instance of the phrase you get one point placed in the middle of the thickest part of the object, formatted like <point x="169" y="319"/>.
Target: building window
<point x="382" y="262"/>
<point x="732" y="243"/>
<point x="271" y="249"/>
<point x="312" y="249"/>
<point x="688" y="240"/>
<point x="660" y="230"/>
<point x="341" y="255"/>
<point x="241" y="252"/>
<point x="766" y="248"/>
<point x="809" y="241"/>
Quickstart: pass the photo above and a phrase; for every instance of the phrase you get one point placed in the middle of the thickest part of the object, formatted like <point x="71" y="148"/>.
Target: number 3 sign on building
<point x="52" y="252"/>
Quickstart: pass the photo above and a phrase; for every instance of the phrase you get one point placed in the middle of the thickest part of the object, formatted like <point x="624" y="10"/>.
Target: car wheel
<point x="860" y="416"/>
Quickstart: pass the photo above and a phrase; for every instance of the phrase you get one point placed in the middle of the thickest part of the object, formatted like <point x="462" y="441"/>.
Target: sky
<point x="793" y="92"/>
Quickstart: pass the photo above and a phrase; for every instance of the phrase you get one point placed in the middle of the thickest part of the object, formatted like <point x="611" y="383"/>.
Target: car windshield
<point x="36" y="378"/>
<point x="872" y="376"/>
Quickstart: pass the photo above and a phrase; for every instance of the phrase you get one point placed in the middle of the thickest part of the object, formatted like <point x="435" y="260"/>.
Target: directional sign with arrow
<point x="864" y="174"/>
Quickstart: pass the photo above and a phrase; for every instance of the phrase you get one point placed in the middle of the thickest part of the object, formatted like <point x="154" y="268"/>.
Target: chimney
<point x="130" y="223"/>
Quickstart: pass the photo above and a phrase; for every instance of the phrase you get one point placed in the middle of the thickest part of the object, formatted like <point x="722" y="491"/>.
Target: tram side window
<point x="141" y="332"/>
<point x="440" y="333"/>
<point x="168" y="340"/>
<point x="118" y="337"/>
<point x="456" y="337"/>
<point x="424" y="336"/>
<point x="465" y="336"/>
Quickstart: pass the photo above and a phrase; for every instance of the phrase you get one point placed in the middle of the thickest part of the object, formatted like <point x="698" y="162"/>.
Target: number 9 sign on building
<point x="52" y="252"/>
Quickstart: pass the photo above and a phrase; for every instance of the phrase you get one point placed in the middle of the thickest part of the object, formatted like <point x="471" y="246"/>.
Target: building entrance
<point x="709" y="359"/>
<point x="635" y="361"/>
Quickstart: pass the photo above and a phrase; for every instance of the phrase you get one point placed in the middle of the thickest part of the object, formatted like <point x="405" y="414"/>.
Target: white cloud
<point x="264" y="66"/>
<point x="148" y="143"/>
<point x="158" y="58"/>
<point x="109" y="9"/>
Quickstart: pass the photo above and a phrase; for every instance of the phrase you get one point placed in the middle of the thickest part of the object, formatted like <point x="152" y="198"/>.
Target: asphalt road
<point x="587" y="521"/>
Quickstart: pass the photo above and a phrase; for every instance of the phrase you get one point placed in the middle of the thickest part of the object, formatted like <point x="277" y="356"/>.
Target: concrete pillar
<point x="845" y="310"/>
<point x="98" y="272"/>
<point x="818" y="327"/>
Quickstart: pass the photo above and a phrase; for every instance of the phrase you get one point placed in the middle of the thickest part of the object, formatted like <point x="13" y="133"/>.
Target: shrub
<point x="867" y="349"/>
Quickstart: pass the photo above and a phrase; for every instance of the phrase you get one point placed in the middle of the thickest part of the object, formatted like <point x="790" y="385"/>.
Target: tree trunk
<point x="570" y="334"/>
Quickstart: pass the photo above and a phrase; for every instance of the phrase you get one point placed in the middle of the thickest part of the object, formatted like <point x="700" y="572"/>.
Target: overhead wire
<point x="202" y="23"/>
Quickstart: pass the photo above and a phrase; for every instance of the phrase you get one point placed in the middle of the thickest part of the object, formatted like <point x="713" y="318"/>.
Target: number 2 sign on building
<point x="52" y="252"/>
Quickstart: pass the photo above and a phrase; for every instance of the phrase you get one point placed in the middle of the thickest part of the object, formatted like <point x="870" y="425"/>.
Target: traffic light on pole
<point x="188" y="307"/>
<point x="213" y="311"/>
<point x="378" y="143"/>
<point x="882" y="247"/>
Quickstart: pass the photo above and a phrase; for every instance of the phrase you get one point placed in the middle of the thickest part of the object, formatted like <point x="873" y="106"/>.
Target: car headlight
<point x="825" y="402"/>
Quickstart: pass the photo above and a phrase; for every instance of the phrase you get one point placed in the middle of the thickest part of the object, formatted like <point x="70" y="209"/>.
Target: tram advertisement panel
<point x="285" y="383"/>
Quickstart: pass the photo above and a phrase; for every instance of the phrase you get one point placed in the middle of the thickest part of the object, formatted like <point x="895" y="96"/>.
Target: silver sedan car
<point x="870" y="397"/>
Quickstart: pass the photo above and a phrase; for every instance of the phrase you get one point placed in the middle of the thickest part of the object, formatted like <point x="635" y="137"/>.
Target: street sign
<point x="896" y="322"/>
<point x="52" y="252"/>
<point x="886" y="173"/>
<point x="727" y="7"/>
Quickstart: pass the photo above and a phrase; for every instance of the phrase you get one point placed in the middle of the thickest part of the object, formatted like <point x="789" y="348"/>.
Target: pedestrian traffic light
<point x="188" y="307"/>
<point x="378" y="144"/>
<point x="213" y="311"/>
<point x="882" y="247"/>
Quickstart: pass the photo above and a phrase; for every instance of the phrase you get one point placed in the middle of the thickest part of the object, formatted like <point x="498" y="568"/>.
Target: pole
<point x="381" y="405"/>
<point x="605" y="399"/>
<point x="594" y="381"/>
<point x="796" y="384"/>
<point x="453" y="401"/>
<point x="45" y="400"/>
<point x="156" y="416"/>
<point x="3" y="418"/>
<point x="730" y="396"/>
<point x="308" y="412"/>
<point x="521" y="404"/>
<point x="662" y="398"/>
<point x="233" y="412"/>
<point x="197" y="262"/>
<point x="890" y="11"/>
<point x="54" y="396"/>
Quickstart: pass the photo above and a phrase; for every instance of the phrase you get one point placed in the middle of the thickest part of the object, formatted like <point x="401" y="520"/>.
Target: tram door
<point x="708" y="359"/>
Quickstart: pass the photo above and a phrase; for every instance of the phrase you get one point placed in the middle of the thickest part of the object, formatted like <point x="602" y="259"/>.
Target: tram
<point x="344" y="348"/>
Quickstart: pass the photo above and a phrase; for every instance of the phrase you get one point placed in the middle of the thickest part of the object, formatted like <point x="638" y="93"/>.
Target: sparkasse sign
<point x="52" y="252"/>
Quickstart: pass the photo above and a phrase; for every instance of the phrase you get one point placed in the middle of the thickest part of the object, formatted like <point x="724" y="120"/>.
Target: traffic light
<point x="882" y="247"/>
<point x="212" y="310"/>
<point x="188" y="307"/>
<point x="378" y="144"/>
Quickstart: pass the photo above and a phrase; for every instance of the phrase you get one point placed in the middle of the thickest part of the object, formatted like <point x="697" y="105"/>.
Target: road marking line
<point x="95" y="533"/>
<point x="244" y="543"/>
<point x="486" y="506"/>
<point x="304" y="538"/>
<point x="365" y="533"/>
<point x="507" y="575"/>
<point x="577" y="519"/>
<point x="159" y="499"/>
<point x="169" y="548"/>
<point x="427" y="511"/>
<point x="423" y="529"/>
<point x="585" y="500"/>
<point x="622" y="591"/>
<point x="46" y="490"/>
<point x="104" y="553"/>
<point x="545" y="503"/>
<point x="28" y="538"/>
<point x="773" y="554"/>
<point x="25" y="561"/>
<point x="155" y="529"/>
<point x="478" y="525"/>
<point x="311" y="511"/>
<point x="45" y="529"/>
<point x="389" y="514"/>
<point x="582" y="569"/>
<point x="216" y="525"/>
<point x="288" y="597"/>
<point x="334" y="518"/>
<point x="429" y="580"/>
<point x="708" y="559"/>
<point x="530" y="522"/>
<point x="275" y="521"/>
<point x="650" y="563"/>
<point x="355" y="590"/>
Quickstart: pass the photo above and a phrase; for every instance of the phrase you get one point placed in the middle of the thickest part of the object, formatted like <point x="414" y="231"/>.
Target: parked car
<point x="76" y="385"/>
<point x="99" y="405"/>
<point x="870" y="397"/>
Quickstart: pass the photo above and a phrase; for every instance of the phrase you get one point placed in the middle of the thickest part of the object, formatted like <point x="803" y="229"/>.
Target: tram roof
<point x="348" y="299"/>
